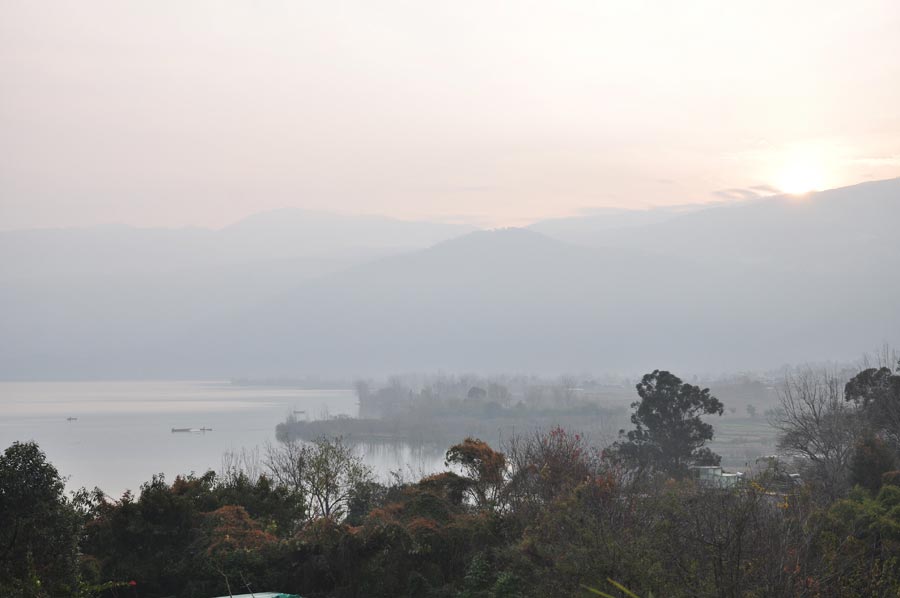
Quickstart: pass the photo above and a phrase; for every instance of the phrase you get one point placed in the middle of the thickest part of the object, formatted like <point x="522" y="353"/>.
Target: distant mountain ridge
<point x="326" y="241"/>
<point x="831" y="225"/>
<point x="721" y="289"/>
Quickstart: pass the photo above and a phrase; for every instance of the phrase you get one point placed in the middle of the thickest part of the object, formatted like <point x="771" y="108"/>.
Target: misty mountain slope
<point x="854" y="225"/>
<point x="291" y="231"/>
<point x="585" y="229"/>
<point x="68" y="296"/>
<point x="462" y="302"/>
<point x="325" y="242"/>
<point x="72" y="300"/>
<point x="499" y="299"/>
<point x="674" y="294"/>
<point x="111" y="249"/>
<point x="515" y="300"/>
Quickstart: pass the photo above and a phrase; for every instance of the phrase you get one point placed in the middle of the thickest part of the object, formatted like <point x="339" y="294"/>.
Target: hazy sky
<point x="496" y="113"/>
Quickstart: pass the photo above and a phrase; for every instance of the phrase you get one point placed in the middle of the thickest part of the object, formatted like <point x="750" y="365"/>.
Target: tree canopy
<point x="38" y="526"/>
<point x="669" y="432"/>
<point x="876" y="391"/>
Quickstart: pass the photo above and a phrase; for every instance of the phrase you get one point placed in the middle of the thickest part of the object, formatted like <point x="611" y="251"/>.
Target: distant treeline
<point x="439" y="428"/>
<point x="449" y="408"/>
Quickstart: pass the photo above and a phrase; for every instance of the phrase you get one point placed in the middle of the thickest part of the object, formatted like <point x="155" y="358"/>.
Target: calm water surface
<point x="123" y="434"/>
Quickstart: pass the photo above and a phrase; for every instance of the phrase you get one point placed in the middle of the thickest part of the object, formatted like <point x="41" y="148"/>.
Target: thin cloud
<point x="746" y="193"/>
<point x="765" y="189"/>
<point x="737" y="194"/>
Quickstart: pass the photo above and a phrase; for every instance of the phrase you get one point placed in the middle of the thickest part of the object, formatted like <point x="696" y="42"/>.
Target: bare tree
<point x="287" y="463"/>
<point x="246" y="464"/>
<point x="884" y="356"/>
<point x="817" y="427"/>
<point x="325" y="474"/>
<point x="333" y="473"/>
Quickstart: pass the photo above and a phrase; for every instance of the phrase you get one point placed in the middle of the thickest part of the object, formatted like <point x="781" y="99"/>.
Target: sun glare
<point x="801" y="176"/>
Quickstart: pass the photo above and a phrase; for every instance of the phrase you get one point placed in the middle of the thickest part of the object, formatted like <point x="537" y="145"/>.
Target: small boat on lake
<point x="194" y="430"/>
<point x="71" y="419"/>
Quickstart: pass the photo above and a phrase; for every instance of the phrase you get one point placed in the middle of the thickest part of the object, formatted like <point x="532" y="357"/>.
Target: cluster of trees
<point x="438" y="411"/>
<point x="444" y="394"/>
<point x="549" y="515"/>
<point x="841" y="433"/>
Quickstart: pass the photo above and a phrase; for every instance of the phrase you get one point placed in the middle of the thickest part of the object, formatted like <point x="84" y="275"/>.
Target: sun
<point x="802" y="175"/>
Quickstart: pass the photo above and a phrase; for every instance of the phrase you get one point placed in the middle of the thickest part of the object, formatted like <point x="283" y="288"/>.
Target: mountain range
<point x="733" y="287"/>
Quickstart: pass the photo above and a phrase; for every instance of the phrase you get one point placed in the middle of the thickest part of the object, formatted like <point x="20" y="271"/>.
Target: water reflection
<point x="123" y="431"/>
<point x="409" y="462"/>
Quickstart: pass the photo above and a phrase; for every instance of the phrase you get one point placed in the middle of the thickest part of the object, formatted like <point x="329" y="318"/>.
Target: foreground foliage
<point x="548" y="516"/>
<point x="38" y="526"/>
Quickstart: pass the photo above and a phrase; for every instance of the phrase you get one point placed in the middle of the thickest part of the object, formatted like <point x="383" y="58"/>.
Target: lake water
<point x="123" y="432"/>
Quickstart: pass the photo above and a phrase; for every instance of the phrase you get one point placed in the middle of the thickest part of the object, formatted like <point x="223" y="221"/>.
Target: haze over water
<point x="123" y="432"/>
